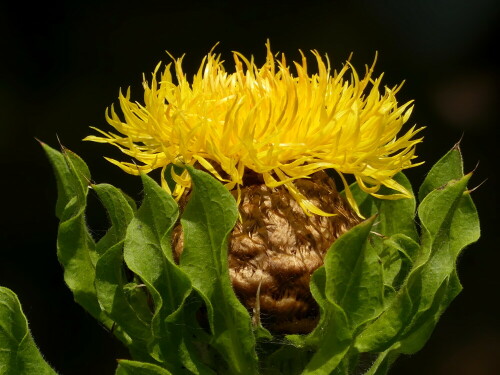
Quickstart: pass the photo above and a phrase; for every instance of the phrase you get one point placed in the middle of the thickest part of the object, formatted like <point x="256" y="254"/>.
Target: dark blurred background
<point x="63" y="64"/>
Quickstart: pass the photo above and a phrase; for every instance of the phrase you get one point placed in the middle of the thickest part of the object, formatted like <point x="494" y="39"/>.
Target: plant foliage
<point x="382" y="288"/>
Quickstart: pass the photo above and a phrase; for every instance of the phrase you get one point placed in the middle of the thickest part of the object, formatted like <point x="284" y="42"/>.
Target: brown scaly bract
<point x="278" y="246"/>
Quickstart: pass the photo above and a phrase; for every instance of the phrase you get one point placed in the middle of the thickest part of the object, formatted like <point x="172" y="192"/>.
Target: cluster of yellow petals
<point x="284" y="125"/>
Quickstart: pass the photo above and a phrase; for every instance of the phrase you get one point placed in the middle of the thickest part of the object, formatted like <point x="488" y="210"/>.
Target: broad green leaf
<point x="449" y="167"/>
<point x="422" y="329"/>
<point x="288" y="360"/>
<point x="126" y="367"/>
<point x="72" y="176"/>
<point x="261" y="333"/>
<point x="383" y="361"/>
<point x="75" y="246"/>
<point x="312" y="341"/>
<point x="354" y="277"/>
<point x="148" y="253"/>
<point x="328" y="356"/>
<point x="120" y="213"/>
<point x="439" y="282"/>
<point x="333" y="321"/>
<point x="384" y="332"/>
<point x="349" y="292"/>
<point x="464" y="229"/>
<point x="406" y="246"/>
<point x="208" y="218"/>
<point x="438" y="207"/>
<point x="194" y="350"/>
<point x="348" y="361"/>
<point x="421" y="300"/>
<point x="439" y="251"/>
<point x="398" y="254"/>
<point x="126" y="303"/>
<point x="64" y="178"/>
<point x="79" y="169"/>
<point x="18" y="352"/>
<point x="330" y="339"/>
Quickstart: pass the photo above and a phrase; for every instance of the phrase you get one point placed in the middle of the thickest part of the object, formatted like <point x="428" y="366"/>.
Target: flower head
<point x="282" y="124"/>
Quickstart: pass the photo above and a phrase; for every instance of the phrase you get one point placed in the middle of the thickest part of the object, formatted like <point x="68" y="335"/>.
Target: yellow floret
<point x="280" y="124"/>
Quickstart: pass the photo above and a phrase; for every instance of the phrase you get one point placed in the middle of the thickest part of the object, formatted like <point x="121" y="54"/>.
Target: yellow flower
<point x="280" y="123"/>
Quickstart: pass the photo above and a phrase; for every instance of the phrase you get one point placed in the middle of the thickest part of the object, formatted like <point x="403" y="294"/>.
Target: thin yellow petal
<point x="275" y="119"/>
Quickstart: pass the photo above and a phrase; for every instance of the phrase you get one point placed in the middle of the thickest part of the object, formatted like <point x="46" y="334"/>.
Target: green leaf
<point x="72" y="176"/>
<point x="349" y="292"/>
<point x="449" y="167"/>
<point x="398" y="254"/>
<point x="148" y="253"/>
<point x="125" y="303"/>
<point x="437" y="208"/>
<point x="312" y="340"/>
<point x="383" y="332"/>
<point x="75" y="246"/>
<point x="354" y="278"/>
<point x="424" y="325"/>
<point x="432" y="283"/>
<point x="383" y="361"/>
<point x="18" y="352"/>
<point x="464" y="228"/>
<point x="436" y="214"/>
<point x="446" y="236"/>
<point x="288" y="360"/>
<point x="380" y="289"/>
<point x="209" y="217"/>
<point x="327" y="357"/>
<point x="116" y="295"/>
<point x="330" y="315"/>
<point x="126" y="367"/>
<point x="120" y="213"/>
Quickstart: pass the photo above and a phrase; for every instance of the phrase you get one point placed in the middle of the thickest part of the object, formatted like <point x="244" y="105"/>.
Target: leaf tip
<point x="456" y="146"/>
<point x="39" y="141"/>
<point x="476" y="187"/>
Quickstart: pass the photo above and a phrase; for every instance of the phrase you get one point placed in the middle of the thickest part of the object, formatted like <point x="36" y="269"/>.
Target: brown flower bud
<point x="275" y="247"/>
